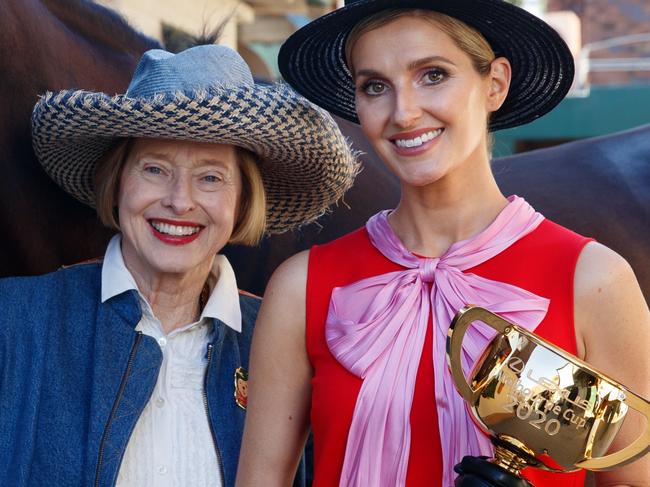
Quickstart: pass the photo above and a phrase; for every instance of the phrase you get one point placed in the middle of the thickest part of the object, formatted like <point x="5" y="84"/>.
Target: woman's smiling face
<point x="177" y="204"/>
<point x="420" y="100"/>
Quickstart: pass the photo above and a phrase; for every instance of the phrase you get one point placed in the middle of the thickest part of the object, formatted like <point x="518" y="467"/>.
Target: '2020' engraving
<point x="543" y="413"/>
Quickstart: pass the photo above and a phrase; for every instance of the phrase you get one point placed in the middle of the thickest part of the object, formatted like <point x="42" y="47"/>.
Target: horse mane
<point x="100" y="24"/>
<point x="213" y="36"/>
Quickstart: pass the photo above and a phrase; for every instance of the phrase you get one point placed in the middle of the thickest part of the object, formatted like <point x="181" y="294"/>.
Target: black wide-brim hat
<point x="313" y="60"/>
<point x="204" y="94"/>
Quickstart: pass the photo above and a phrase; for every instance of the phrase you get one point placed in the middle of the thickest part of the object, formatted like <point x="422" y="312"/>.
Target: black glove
<point x="479" y="472"/>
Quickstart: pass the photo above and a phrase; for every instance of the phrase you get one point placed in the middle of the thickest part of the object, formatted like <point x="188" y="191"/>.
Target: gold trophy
<point x="541" y="406"/>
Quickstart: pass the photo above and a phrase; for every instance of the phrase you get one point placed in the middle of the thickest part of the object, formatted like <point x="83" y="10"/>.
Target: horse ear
<point x="177" y="40"/>
<point x="211" y="36"/>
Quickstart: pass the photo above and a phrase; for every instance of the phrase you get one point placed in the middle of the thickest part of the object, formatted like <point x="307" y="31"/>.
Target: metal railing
<point x="586" y="65"/>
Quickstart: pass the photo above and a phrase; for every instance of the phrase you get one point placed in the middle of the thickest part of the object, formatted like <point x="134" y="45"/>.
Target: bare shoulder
<point x="609" y="307"/>
<point x="612" y="324"/>
<point x="278" y="350"/>
<point x="283" y="305"/>
<point x="599" y="268"/>
<point x="277" y="417"/>
<point x="290" y="277"/>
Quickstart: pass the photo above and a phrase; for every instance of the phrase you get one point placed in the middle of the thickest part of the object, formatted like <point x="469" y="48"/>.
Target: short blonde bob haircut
<point x="251" y="215"/>
<point x="468" y="39"/>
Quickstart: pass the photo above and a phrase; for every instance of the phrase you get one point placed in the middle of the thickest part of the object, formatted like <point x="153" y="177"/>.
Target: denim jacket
<point x="75" y="376"/>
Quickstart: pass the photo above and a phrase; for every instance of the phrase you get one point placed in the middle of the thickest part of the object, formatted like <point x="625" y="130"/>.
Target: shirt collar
<point x="223" y="303"/>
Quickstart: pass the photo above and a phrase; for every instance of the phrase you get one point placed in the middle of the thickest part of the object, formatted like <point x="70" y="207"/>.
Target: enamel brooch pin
<point x="241" y="387"/>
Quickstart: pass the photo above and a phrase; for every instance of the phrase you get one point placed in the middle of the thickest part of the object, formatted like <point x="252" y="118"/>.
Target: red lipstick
<point x="175" y="239"/>
<point x="414" y="151"/>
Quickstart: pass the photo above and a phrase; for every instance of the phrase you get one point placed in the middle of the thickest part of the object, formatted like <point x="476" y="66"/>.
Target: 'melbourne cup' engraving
<point x="538" y="411"/>
<point x="541" y="406"/>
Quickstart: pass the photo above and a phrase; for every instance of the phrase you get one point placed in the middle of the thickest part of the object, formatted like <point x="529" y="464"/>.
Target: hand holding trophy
<point x="541" y="407"/>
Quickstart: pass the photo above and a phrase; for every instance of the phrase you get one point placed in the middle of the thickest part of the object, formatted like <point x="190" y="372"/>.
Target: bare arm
<point x="277" y="418"/>
<point x="613" y="331"/>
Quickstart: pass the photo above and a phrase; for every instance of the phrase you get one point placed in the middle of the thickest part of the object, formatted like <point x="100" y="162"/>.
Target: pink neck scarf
<point x="376" y="327"/>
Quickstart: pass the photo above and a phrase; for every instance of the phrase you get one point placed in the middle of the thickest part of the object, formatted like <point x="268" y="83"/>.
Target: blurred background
<point x="610" y="40"/>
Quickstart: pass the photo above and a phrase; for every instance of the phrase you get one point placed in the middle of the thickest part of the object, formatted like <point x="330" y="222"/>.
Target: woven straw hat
<point x="313" y="60"/>
<point x="207" y="94"/>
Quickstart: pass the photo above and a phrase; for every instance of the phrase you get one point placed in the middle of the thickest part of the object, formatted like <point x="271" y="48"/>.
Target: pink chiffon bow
<point x="376" y="327"/>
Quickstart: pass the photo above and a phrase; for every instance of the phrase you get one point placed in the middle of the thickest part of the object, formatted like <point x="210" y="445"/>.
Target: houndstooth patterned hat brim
<point x="305" y="161"/>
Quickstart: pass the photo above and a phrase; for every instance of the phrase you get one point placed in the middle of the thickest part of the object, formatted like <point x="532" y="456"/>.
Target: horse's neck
<point x="49" y="43"/>
<point x="59" y="44"/>
<point x="101" y="27"/>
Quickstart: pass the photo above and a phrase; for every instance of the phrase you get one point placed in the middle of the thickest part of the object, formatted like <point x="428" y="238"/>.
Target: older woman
<point x="132" y="371"/>
<point x="351" y="335"/>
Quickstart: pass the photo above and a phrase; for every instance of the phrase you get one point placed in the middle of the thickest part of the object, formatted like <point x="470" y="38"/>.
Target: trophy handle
<point x="455" y="335"/>
<point x="631" y="452"/>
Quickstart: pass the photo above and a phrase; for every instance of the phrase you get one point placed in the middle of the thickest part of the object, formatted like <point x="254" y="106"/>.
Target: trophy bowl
<point x="541" y="406"/>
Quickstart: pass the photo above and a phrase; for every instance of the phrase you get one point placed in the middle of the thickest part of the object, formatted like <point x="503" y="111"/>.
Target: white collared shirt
<point x="171" y="444"/>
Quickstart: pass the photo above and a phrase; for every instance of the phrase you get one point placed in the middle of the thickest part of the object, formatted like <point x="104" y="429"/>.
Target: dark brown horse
<point x="598" y="187"/>
<point x="52" y="45"/>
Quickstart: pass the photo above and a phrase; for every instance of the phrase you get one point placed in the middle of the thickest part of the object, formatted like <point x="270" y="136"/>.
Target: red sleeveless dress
<point x="543" y="262"/>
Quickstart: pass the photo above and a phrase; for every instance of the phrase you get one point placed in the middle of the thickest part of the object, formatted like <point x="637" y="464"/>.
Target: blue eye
<point x="210" y="178"/>
<point x="153" y="170"/>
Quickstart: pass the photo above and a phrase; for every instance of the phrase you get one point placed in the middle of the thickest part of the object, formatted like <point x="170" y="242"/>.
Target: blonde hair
<point x="251" y="214"/>
<point x="107" y="182"/>
<point x="251" y="218"/>
<point x="468" y="39"/>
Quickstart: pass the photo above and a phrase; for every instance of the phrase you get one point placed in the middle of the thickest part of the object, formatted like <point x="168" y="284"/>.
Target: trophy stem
<point x="508" y="460"/>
